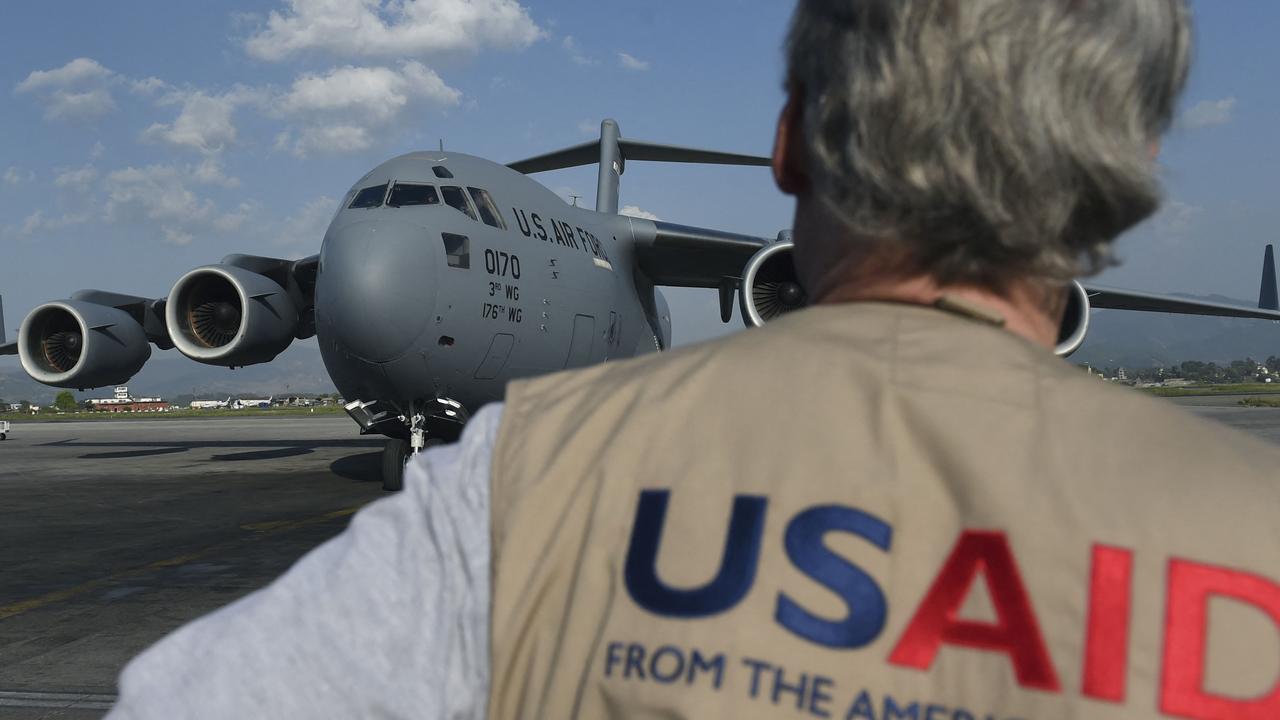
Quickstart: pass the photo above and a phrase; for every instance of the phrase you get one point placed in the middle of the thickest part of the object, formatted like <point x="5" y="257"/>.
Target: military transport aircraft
<point x="443" y="276"/>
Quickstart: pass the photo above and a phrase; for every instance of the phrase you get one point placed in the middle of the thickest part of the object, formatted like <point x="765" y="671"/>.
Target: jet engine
<point x="1075" y="321"/>
<point x="228" y="316"/>
<point x="77" y="344"/>
<point x="770" y="287"/>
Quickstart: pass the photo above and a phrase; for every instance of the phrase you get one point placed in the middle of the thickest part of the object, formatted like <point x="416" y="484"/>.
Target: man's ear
<point x="788" y="145"/>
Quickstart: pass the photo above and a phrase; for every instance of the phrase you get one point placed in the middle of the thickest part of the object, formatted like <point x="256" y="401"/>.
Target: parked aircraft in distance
<point x="254" y="404"/>
<point x="443" y="276"/>
<point x="210" y="404"/>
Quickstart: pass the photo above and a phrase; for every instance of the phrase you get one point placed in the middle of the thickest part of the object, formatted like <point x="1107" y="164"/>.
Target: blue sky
<point x="145" y="138"/>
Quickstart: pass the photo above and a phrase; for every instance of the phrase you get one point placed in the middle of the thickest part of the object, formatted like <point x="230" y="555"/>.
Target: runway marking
<point x="36" y="699"/>
<point x="261" y="531"/>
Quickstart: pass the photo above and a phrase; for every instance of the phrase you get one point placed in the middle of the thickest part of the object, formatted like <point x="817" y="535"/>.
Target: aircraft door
<point x="496" y="359"/>
<point x="584" y="331"/>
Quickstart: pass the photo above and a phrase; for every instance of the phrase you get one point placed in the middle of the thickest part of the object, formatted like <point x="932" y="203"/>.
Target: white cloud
<point x="348" y="108"/>
<point x="589" y="127"/>
<point x="1208" y="113"/>
<point x="77" y="72"/>
<point x="176" y="236"/>
<point x="636" y="212"/>
<point x="37" y="222"/>
<point x="376" y="93"/>
<point x="14" y="176"/>
<point x="575" y="53"/>
<point x="149" y="86"/>
<point x="76" y="91"/>
<point x="88" y="105"/>
<point x="632" y="63"/>
<point x="155" y="193"/>
<point x="307" y="226"/>
<point x="76" y="178"/>
<point x="206" y="122"/>
<point x="209" y="172"/>
<point x="1175" y="220"/>
<point x="325" y="139"/>
<point x="371" y="28"/>
<point x="234" y="220"/>
<point x="97" y="150"/>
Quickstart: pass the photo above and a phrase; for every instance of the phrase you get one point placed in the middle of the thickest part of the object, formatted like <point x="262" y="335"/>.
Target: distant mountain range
<point x="1116" y="339"/>
<point x="1140" y="340"/>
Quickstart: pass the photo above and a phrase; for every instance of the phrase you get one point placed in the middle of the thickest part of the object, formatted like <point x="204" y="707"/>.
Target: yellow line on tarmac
<point x="261" y="531"/>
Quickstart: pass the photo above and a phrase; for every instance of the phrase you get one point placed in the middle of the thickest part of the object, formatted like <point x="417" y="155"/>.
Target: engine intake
<point x="77" y="344"/>
<point x="770" y="287"/>
<point x="228" y="316"/>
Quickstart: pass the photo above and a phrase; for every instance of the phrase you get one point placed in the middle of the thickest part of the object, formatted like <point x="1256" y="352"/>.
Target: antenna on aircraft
<point x="575" y="199"/>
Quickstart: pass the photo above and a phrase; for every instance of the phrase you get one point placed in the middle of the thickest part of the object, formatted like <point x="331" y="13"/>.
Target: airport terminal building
<point x="122" y="403"/>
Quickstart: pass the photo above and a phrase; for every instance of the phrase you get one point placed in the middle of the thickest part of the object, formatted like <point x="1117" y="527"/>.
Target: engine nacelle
<point x="77" y="344"/>
<point x="228" y="316"/>
<point x="770" y="287"/>
<point x="1075" y="321"/>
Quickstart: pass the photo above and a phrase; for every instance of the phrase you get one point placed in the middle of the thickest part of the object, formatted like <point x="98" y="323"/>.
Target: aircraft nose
<point x="376" y="288"/>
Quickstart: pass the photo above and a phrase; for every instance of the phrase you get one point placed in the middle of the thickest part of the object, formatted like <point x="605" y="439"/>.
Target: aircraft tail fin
<point x="612" y="151"/>
<point x="1267" y="295"/>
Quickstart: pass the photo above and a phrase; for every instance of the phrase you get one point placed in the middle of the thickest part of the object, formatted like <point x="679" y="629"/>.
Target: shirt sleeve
<point x="388" y="619"/>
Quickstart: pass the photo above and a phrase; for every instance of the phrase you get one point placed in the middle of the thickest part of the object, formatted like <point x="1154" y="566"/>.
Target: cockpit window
<point x="370" y="197"/>
<point x="488" y="209"/>
<point x="406" y="194"/>
<point x="454" y="198"/>
<point x="441" y="172"/>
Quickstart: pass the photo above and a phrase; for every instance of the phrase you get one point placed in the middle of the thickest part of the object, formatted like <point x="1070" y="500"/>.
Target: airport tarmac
<point x="114" y="533"/>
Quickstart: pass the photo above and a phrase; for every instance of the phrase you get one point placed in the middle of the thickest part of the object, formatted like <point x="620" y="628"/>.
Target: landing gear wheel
<point x="394" y="457"/>
<point x="3" y="436"/>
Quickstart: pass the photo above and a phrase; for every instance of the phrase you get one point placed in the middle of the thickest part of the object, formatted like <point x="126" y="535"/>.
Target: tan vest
<point x="877" y="511"/>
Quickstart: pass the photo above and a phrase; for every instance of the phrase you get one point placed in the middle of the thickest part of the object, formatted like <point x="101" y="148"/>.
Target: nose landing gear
<point x="430" y="423"/>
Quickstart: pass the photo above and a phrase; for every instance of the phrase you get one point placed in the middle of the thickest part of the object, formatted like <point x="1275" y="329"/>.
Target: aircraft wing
<point x="1117" y="299"/>
<point x="684" y="256"/>
<point x="97" y="338"/>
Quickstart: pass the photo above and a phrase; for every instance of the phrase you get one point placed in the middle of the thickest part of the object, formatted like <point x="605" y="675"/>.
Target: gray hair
<point x="989" y="138"/>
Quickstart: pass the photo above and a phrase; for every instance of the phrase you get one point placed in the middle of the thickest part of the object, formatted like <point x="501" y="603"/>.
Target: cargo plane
<point x="443" y="276"/>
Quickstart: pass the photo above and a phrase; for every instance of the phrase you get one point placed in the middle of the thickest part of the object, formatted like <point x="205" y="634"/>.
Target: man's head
<point x="978" y="142"/>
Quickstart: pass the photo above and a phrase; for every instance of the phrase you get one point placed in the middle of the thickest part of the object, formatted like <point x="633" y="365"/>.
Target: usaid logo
<point x="936" y="621"/>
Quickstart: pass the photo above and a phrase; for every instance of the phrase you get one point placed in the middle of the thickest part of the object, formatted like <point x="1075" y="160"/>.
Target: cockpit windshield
<point x="406" y="194"/>
<point x="370" y="197"/>
<point x="487" y="207"/>
<point x="456" y="199"/>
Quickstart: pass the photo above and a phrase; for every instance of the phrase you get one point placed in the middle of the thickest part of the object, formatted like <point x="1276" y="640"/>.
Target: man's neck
<point x="1023" y="306"/>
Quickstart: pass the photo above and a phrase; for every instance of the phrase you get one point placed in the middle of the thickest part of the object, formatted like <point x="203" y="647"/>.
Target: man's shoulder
<point x="772" y="350"/>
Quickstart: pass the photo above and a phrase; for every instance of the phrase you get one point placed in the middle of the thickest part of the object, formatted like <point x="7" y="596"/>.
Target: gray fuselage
<point x="424" y="300"/>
